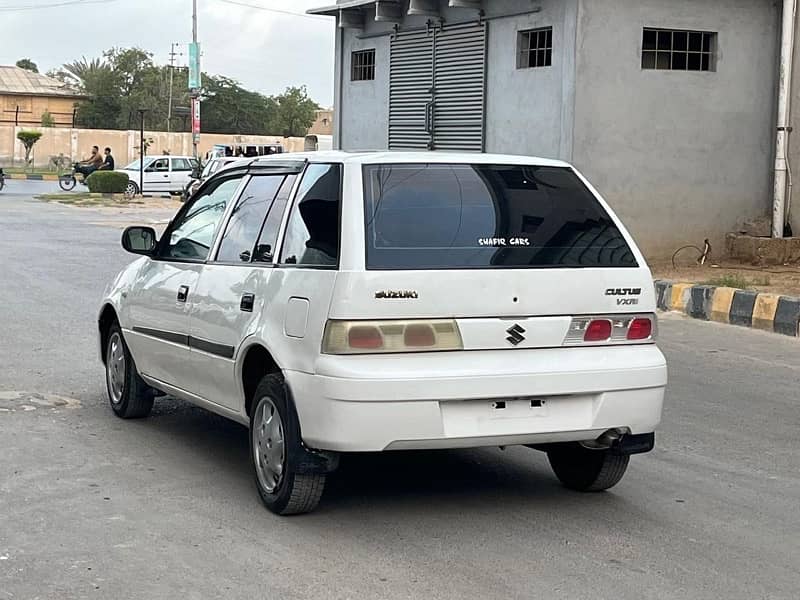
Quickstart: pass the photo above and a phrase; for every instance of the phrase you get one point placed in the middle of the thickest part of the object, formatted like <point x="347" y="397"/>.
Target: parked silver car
<point x="199" y="176"/>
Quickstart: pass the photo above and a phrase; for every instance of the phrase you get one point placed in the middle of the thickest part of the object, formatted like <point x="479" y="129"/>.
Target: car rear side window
<point x="247" y="217"/>
<point x="474" y="216"/>
<point x="181" y="164"/>
<point x="268" y="238"/>
<point x="312" y="233"/>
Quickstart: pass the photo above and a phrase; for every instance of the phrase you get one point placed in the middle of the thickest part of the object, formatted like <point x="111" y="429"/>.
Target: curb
<point x="88" y="195"/>
<point x="768" y="312"/>
<point x="33" y="177"/>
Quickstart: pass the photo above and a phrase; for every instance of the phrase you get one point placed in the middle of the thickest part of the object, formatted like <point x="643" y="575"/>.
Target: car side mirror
<point x="196" y="173"/>
<point x="140" y="240"/>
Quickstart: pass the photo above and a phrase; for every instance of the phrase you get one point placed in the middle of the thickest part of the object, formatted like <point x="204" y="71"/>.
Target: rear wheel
<point x="586" y="470"/>
<point x="274" y="450"/>
<point x="129" y="395"/>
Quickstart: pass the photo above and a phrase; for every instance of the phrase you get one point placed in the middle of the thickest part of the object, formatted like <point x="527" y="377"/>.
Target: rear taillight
<point x="373" y="337"/>
<point x="641" y="328"/>
<point x="598" y="331"/>
<point x="610" y="330"/>
<point x="364" y="337"/>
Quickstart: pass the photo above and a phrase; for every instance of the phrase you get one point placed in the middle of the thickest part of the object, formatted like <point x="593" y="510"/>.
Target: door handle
<point x="247" y="303"/>
<point x="183" y="293"/>
<point x="429" y="117"/>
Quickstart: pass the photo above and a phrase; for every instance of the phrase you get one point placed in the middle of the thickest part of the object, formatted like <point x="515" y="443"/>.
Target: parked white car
<point x="340" y="302"/>
<point x="161" y="174"/>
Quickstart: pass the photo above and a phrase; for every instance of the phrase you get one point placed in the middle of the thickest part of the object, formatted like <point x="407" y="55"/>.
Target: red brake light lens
<point x="598" y="331"/>
<point x="640" y="329"/>
<point x="365" y="337"/>
<point x="419" y="335"/>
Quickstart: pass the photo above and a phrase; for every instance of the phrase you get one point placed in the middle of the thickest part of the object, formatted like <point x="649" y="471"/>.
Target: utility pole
<point x="172" y="58"/>
<point x="195" y="92"/>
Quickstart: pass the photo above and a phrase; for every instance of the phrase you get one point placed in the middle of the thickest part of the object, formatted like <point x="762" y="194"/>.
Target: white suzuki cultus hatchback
<point x="339" y="302"/>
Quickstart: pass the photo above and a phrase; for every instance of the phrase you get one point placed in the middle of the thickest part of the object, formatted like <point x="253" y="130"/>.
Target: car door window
<point x="247" y="217"/>
<point x="181" y="164"/>
<point x="312" y="233"/>
<point x="192" y="233"/>
<point x="161" y="164"/>
<point x="267" y="240"/>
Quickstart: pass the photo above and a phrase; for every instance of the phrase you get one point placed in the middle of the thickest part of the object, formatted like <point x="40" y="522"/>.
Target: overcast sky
<point x="266" y="51"/>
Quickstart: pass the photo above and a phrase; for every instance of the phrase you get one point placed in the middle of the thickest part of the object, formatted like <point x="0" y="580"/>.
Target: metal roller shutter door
<point x="459" y="84"/>
<point x="410" y="82"/>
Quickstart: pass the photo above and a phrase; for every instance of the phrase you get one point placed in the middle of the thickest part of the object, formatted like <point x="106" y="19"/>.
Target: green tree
<point x="27" y="64"/>
<point x="296" y="111"/>
<point x="28" y="139"/>
<point x="47" y="119"/>
<point x="126" y="80"/>
<point x="229" y="108"/>
<point x="99" y="82"/>
<point x="78" y="71"/>
<point x="141" y="86"/>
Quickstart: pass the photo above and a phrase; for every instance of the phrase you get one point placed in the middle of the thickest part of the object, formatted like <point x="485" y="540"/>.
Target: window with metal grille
<point x="363" y="65"/>
<point x="679" y="50"/>
<point x="535" y="48"/>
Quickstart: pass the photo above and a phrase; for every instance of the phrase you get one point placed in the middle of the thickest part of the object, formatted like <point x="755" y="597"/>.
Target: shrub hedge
<point x="107" y="182"/>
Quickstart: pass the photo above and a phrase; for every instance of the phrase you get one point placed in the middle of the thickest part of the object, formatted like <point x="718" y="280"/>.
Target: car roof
<point x="168" y="156"/>
<point x="381" y="157"/>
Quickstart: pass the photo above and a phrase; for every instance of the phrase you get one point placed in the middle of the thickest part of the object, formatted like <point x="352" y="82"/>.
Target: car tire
<point x="275" y="448"/>
<point x="129" y="395"/>
<point x="586" y="470"/>
<point x="131" y="189"/>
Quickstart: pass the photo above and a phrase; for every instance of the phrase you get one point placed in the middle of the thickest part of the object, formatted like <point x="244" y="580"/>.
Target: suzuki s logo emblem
<point x="515" y="337"/>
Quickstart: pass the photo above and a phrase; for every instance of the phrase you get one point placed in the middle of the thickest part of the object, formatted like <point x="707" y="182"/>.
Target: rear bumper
<point x="450" y="400"/>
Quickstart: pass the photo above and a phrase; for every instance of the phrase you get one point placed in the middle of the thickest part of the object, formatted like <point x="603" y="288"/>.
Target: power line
<point x="24" y="7"/>
<point x="274" y="10"/>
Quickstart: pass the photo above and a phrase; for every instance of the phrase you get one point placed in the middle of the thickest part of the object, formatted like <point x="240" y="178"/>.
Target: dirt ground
<point x="108" y="212"/>
<point x="783" y="280"/>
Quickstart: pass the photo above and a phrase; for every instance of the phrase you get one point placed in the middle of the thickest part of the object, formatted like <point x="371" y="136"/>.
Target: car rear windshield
<point x="473" y="216"/>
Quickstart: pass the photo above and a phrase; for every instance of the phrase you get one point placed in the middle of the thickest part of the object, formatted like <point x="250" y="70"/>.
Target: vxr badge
<point x="515" y="337"/>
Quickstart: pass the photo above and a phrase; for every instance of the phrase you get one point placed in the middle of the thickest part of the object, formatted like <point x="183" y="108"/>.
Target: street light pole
<point x="141" y="150"/>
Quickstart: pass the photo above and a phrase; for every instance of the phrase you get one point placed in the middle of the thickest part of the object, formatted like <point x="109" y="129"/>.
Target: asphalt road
<point x="94" y="507"/>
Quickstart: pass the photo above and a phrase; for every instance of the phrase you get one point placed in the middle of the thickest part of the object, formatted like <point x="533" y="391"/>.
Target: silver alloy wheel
<point x="131" y="189"/>
<point x="115" y="367"/>
<point x="269" y="448"/>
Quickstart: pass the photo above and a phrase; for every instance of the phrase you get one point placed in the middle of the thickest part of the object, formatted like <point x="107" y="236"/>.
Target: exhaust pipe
<point x="604" y="441"/>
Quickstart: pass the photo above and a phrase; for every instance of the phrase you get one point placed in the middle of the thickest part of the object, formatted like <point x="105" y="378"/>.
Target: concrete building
<point x="25" y="96"/>
<point x="668" y="106"/>
<point x="323" y="124"/>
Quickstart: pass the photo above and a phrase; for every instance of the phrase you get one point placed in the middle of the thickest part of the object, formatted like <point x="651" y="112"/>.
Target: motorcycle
<point x="68" y="181"/>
